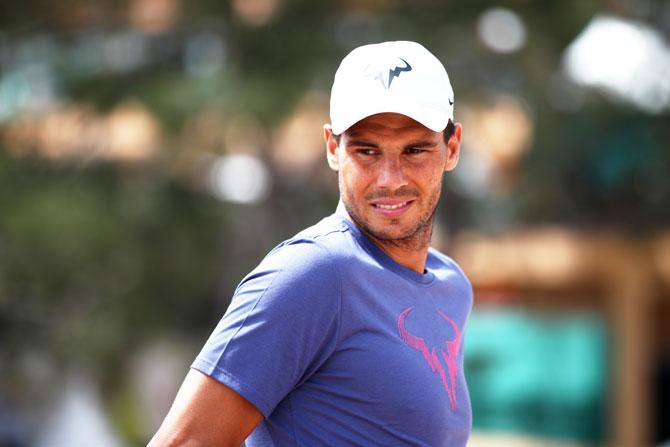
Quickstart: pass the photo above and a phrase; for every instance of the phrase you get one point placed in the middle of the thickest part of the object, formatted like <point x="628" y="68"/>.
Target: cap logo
<point x="387" y="70"/>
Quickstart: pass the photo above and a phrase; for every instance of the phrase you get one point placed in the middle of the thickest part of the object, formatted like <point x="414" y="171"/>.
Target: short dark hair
<point x="447" y="133"/>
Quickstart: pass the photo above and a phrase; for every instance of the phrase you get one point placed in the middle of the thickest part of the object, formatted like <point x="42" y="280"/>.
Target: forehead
<point x="389" y="125"/>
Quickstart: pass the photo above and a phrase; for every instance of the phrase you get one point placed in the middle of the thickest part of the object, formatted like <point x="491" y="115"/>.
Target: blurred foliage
<point x="601" y="168"/>
<point x="95" y="259"/>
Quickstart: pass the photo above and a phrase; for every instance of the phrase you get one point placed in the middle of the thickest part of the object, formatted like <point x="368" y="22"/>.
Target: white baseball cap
<point x="401" y="77"/>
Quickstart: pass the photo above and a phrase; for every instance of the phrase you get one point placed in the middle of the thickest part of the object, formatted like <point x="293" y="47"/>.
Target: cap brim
<point x="433" y="119"/>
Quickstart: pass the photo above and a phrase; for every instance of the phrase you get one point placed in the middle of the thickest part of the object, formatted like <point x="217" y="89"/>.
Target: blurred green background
<point x="152" y="152"/>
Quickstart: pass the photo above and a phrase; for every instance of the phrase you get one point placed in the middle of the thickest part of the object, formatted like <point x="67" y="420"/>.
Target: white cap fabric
<point x="401" y="77"/>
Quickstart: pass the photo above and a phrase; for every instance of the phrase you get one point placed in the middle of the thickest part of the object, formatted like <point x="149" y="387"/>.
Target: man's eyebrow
<point x="361" y="143"/>
<point x="421" y="144"/>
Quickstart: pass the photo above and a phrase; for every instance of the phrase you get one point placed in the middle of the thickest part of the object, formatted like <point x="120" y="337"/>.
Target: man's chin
<point x="390" y="235"/>
<point x="396" y="233"/>
<point x="385" y="230"/>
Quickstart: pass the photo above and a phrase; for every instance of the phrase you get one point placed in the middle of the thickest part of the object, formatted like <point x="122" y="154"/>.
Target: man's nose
<point x="391" y="174"/>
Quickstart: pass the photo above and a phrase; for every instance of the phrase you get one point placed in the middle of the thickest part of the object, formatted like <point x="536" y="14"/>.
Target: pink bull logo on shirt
<point x="449" y="353"/>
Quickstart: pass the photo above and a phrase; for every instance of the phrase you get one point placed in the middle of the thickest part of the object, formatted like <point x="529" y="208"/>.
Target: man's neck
<point x="411" y="254"/>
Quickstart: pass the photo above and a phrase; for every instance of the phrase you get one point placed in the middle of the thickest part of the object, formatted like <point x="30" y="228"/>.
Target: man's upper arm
<point x="206" y="413"/>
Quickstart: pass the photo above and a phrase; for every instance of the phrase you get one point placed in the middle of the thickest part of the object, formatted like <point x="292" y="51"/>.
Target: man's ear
<point x="332" y="146"/>
<point x="454" y="147"/>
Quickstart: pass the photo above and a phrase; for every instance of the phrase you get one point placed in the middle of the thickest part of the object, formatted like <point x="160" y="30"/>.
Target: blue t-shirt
<point x="339" y="345"/>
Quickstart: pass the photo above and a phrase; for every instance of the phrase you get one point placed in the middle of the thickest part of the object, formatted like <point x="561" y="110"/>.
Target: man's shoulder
<point x="438" y="260"/>
<point x="324" y="245"/>
<point x="310" y="260"/>
<point x="327" y="230"/>
<point x="441" y="257"/>
<point x="330" y="237"/>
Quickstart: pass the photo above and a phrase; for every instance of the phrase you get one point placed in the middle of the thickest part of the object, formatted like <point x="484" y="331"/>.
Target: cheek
<point x="433" y="180"/>
<point x="353" y="176"/>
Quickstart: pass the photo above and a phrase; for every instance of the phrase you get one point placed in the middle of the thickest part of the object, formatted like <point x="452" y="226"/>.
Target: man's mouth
<point x="390" y="207"/>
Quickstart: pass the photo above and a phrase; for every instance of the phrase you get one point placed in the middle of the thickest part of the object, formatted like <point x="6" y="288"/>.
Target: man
<point x="350" y="333"/>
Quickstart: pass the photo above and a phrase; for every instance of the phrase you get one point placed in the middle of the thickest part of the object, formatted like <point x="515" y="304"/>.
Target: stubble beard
<point x="415" y="238"/>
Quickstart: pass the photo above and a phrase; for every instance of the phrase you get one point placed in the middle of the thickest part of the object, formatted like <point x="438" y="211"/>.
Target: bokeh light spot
<point x="501" y="30"/>
<point x="239" y="178"/>
<point x="628" y="60"/>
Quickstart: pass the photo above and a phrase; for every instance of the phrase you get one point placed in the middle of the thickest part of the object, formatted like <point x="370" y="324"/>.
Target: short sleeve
<point x="281" y="325"/>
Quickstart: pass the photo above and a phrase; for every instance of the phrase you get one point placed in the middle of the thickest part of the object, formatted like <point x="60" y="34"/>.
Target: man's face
<point x="390" y="173"/>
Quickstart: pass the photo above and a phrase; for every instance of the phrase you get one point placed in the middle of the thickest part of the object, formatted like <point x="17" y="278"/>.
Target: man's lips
<point x="392" y="207"/>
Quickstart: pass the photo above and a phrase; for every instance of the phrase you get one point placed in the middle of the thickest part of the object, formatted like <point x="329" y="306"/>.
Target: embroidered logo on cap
<point x="385" y="71"/>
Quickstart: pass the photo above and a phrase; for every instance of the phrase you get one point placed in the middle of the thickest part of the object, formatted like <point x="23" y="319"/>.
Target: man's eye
<point x="415" y="150"/>
<point x="366" y="151"/>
